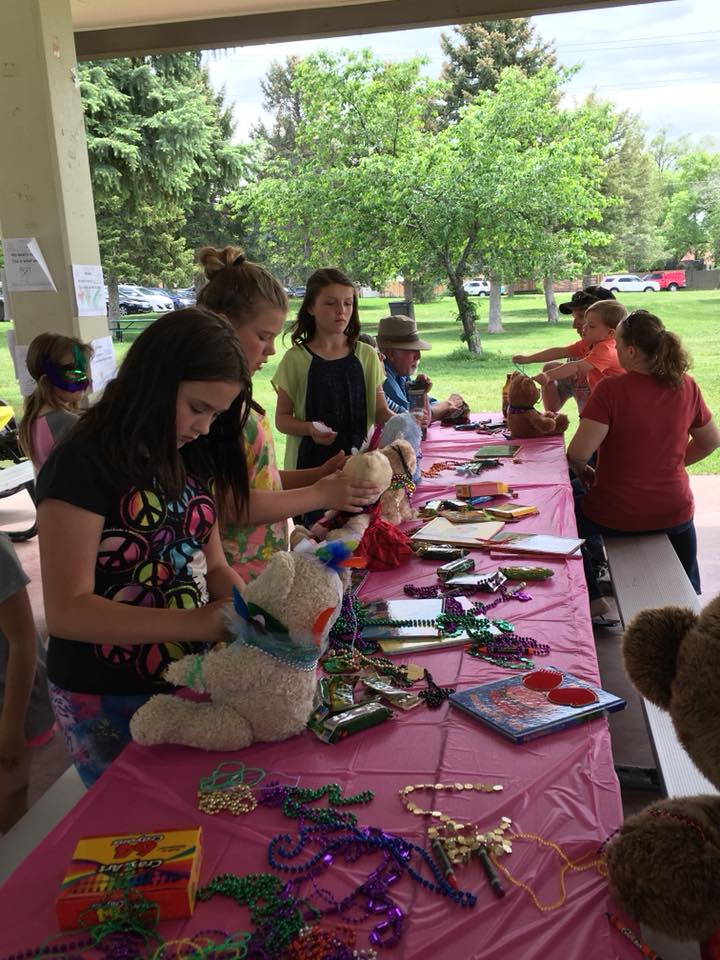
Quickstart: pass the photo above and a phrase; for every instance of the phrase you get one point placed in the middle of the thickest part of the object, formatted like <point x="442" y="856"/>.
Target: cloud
<point x="657" y="60"/>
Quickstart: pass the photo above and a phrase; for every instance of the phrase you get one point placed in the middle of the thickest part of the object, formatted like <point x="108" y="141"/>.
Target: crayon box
<point x="162" y="866"/>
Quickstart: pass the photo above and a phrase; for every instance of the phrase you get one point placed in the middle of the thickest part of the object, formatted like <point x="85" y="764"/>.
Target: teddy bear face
<point x="523" y="391"/>
<point x="372" y="467"/>
<point x="402" y="458"/>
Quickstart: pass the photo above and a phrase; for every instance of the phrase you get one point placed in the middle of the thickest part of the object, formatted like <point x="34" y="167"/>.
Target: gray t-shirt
<point x="39" y="716"/>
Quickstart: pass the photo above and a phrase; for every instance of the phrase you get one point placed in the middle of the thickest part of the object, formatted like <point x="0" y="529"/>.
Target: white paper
<point x="89" y="290"/>
<point x="103" y="368"/>
<point x="25" y="267"/>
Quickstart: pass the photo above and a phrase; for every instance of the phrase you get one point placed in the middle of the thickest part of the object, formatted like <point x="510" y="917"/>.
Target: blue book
<point x="520" y="714"/>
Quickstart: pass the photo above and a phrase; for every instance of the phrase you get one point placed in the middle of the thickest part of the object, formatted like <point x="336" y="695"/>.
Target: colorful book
<point x="441" y="530"/>
<point x="520" y="714"/>
<point x="538" y="544"/>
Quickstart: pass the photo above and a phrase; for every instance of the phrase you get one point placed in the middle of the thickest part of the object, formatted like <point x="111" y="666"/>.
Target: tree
<point x="481" y="53"/>
<point x="283" y="101"/>
<point x="692" y="215"/>
<point x="382" y="189"/>
<point x="156" y="133"/>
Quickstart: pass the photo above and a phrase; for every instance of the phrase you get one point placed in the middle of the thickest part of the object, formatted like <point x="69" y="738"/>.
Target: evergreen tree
<point x="158" y="141"/>
<point x="481" y="52"/>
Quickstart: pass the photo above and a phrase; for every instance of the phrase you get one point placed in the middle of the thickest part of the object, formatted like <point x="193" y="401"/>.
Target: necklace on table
<point x="567" y="864"/>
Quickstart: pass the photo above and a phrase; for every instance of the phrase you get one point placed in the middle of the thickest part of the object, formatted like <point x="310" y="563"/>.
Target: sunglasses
<point x="549" y="682"/>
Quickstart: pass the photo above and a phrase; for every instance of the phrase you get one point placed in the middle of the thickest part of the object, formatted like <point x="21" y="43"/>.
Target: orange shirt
<point x="602" y="358"/>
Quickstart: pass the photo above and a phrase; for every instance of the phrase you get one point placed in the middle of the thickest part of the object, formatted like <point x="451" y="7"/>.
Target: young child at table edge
<point x="327" y="376"/>
<point x="595" y="356"/>
<point x="256" y="305"/>
<point x="25" y="712"/>
<point x="133" y="571"/>
<point x="59" y="367"/>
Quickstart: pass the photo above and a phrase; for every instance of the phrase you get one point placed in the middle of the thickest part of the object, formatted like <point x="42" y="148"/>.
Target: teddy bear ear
<point x="650" y="650"/>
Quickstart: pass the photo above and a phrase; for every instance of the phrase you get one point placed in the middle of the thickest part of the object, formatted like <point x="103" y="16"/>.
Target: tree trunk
<point x="550" y="304"/>
<point x="586" y="280"/>
<point x="113" y="298"/>
<point x="407" y="289"/>
<point x="495" y="309"/>
<point x="466" y="315"/>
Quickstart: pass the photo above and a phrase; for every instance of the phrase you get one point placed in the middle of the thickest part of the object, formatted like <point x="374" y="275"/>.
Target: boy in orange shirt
<point x="594" y="356"/>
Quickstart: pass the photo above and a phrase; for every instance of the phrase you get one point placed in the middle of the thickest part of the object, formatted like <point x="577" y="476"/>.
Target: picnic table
<point x="560" y="791"/>
<point x="125" y="323"/>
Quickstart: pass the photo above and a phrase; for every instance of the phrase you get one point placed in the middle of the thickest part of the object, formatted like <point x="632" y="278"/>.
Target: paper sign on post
<point x="18" y="352"/>
<point x="89" y="290"/>
<point x="103" y="368"/>
<point x="25" y="267"/>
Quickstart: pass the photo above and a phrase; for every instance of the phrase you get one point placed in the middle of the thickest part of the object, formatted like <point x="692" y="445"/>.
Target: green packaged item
<point x="455" y="567"/>
<point x="438" y="551"/>
<point x="526" y="573"/>
<point x="342" y="725"/>
<point x="394" y="695"/>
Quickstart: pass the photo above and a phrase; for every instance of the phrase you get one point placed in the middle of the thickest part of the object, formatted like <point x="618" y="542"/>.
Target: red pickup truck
<point x="668" y="279"/>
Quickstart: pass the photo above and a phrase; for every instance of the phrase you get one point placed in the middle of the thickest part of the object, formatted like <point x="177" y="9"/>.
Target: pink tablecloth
<point x="561" y="787"/>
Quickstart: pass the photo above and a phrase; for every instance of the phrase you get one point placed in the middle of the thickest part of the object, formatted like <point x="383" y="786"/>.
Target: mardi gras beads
<point x="567" y="865"/>
<point x="229" y="787"/>
<point x="434" y="696"/>
<point x="295" y="802"/>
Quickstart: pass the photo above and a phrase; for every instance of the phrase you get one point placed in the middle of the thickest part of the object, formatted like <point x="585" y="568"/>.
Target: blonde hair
<point x="56" y="348"/>
<point x="236" y="287"/>
<point x="608" y="312"/>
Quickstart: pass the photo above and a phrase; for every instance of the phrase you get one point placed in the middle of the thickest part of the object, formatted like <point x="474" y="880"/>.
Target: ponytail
<point x="236" y="287"/>
<point x="667" y="359"/>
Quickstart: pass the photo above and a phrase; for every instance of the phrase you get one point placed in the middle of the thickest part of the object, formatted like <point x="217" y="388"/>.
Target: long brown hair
<point x="303" y="330"/>
<point x="668" y="361"/>
<point x="57" y="348"/>
<point x="134" y="422"/>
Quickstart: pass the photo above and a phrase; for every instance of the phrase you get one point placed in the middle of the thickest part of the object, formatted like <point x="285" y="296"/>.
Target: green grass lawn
<point x="694" y="315"/>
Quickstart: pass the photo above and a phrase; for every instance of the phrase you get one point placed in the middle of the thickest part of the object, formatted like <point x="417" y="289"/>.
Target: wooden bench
<point x="646" y="573"/>
<point x="13" y="479"/>
<point x="122" y="324"/>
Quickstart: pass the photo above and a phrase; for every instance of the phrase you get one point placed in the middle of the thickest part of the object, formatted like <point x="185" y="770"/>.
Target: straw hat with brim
<point x="400" y="333"/>
<point x="582" y="299"/>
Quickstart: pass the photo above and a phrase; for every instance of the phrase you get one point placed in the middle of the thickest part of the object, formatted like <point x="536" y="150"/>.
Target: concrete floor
<point x="630" y="742"/>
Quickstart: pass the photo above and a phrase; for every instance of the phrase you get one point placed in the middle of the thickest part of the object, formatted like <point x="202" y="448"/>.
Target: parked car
<point x="187" y="296"/>
<point x="167" y="294"/>
<point x="132" y="301"/>
<point x="160" y="301"/>
<point x="668" y="279"/>
<point x="297" y="292"/>
<point x="630" y="283"/>
<point x="477" y="288"/>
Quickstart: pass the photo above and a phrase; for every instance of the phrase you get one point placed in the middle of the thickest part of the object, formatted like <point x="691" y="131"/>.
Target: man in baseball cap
<point x="399" y="343"/>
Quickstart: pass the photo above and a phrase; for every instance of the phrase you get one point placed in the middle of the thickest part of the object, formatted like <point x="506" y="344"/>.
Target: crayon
<point x="443" y="861"/>
<point x="487" y="865"/>
<point x="629" y="935"/>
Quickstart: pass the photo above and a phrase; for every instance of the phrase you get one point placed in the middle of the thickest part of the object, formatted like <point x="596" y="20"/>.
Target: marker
<point x="629" y="935"/>
<point x="443" y="861"/>
<point x="489" y="869"/>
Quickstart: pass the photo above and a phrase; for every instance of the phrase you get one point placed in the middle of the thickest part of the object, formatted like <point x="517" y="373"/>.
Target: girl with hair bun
<point x="647" y="427"/>
<point x="59" y="367"/>
<point x="256" y="305"/>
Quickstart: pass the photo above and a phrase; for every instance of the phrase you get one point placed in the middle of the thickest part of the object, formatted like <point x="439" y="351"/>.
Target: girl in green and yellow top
<point x="329" y="385"/>
<point x="256" y="305"/>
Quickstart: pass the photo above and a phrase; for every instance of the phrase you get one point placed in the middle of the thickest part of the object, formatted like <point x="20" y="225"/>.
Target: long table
<point x="561" y="787"/>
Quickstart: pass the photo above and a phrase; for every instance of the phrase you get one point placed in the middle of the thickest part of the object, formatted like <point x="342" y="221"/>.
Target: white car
<point x="631" y="283"/>
<point x="477" y="288"/>
<point x="160" y="303"/>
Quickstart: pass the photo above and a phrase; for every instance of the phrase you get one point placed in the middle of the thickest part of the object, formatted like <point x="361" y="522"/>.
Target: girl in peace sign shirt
<point x="133" y="570"/>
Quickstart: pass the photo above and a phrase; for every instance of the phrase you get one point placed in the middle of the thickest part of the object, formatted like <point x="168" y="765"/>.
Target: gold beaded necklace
<point x="459" y="839"/>
<point x="568" y="864"/>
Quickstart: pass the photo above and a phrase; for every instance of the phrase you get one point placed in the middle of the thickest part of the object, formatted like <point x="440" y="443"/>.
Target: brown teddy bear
<point x="523" y="419"/>
<point x="395" y="502"/>
<point x="664" y="863"/>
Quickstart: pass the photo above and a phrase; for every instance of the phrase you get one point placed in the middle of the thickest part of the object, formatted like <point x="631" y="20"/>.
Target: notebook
<point x="521" y="714"/>
<point x="496" y="450"/>
<point x="406" y="610"/>
<point x="537" y="544"/>
<point x="511" y="511"/>
<point x="441" y="530"/>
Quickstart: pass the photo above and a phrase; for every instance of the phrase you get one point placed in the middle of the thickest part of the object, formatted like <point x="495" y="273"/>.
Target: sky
<point x="658" y="60"/>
